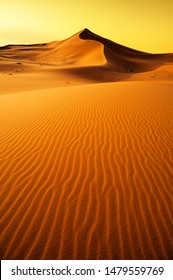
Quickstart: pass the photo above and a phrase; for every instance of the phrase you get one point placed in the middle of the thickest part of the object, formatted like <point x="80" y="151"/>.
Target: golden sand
<point x="86" y="162"/>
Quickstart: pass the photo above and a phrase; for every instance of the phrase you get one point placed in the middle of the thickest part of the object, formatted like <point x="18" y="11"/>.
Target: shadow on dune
<point x="130" y="64"/>
<point x="126" y="60"/>
<point x="98" y="74"/>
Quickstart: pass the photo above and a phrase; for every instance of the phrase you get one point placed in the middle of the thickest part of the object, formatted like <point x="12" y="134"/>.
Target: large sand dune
<point x="83" y="58"/>
<point x="86" y="166"/>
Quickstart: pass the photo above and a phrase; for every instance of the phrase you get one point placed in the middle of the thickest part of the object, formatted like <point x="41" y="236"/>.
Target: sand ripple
<point x="86" y="173"/>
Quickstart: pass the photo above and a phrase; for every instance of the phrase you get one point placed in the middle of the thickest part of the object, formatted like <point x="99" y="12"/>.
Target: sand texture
<point x="86" y="151"/>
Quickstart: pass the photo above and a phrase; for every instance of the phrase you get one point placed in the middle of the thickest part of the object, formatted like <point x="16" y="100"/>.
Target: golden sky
<point x="141" y="24"/>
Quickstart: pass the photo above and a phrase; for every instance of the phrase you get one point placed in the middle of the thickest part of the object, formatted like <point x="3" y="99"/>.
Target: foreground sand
<point x="86" y="159"/>
<point x="86" y="172"/>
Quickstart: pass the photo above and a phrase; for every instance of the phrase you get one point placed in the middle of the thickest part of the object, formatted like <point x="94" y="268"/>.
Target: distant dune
<point x="86" y="162"/>
<point x="83" y="58"/>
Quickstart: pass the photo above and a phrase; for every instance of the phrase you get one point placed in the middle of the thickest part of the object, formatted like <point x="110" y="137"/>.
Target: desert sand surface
<point x="86" y="151"/>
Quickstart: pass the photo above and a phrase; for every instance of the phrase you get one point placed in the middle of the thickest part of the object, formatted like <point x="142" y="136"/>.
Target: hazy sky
<point x="142" y="24"/>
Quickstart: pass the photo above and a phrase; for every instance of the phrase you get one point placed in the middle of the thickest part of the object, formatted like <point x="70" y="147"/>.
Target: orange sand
<point x="86" y="163"/>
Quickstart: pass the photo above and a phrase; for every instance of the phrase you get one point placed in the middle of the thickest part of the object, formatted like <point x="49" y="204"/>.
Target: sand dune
<point x="85" y="165"/>
<point x="83" y="58"/>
